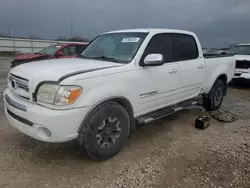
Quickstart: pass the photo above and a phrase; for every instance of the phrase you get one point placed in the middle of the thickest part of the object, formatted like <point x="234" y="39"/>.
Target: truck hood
<point x="28" y="56"/>
<point x="53" y="70"/>
<point x="242" y="57"/>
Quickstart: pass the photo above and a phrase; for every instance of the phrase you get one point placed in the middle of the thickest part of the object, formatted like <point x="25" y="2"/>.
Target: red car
<point x="68" y="50"/>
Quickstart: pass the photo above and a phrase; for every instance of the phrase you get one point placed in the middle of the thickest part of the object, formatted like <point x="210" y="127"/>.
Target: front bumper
<point x="243" y="75"/>
<point x="42" y="123"/>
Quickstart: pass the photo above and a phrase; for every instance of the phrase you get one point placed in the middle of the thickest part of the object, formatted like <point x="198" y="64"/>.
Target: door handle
<point x="172" y="71"/>
<point x="201" y="66"/>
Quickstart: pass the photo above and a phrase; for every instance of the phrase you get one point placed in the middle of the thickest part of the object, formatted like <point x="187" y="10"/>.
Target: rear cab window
<point x="185" y="47"/>
<point x="79" y="48"/>
<point x="69" y="51"/>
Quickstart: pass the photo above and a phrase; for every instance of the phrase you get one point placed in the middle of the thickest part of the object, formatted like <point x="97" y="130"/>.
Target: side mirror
<point x="153" y="60"/>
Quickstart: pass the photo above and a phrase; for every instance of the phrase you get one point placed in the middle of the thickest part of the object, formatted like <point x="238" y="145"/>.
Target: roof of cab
<point x="246" y="44"/>
<point x="73" y="44"/>
<point x="152" y="31"/>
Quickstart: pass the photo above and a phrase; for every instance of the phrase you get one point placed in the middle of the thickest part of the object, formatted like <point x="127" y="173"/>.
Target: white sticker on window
<point x="132" y="39"/>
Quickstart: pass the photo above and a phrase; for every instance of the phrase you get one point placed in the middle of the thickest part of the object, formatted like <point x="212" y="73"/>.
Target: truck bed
<point x="216" y="65"/>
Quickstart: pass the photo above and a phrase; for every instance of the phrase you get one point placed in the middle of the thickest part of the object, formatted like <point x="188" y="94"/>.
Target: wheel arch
<point x="124" y="102"/>
<point x="206" y="97"/>
<point x="223" y="78"/>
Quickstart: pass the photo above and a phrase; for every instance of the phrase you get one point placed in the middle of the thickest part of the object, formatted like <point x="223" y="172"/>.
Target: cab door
<point x="191" y="65"/>
<point x="159" y="84"/>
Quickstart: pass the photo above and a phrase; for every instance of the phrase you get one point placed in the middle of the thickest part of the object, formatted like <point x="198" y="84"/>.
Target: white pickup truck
<point x="242" y="56"/>
<point x="121" y="79"/>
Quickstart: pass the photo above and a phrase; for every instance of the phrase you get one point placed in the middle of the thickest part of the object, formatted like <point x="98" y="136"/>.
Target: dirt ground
<point x="167" y="153"/>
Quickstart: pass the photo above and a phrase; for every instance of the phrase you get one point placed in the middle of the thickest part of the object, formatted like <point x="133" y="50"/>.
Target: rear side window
<point x="160" y="44"/>
<point x="69" y="51"/>
<point x="185" y="47"/>
<point x="79" y="48"/>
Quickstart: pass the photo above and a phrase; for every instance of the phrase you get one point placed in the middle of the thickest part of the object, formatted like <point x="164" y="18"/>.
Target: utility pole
<point x="71" y="28"/>
<point x="9" y="31"/>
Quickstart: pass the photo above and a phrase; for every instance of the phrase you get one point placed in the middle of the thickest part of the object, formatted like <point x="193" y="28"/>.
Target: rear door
<point x="159" y="83"/>
<point x="191" y="66"/>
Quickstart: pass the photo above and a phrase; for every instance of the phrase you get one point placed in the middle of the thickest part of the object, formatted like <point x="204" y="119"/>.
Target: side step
<point x="150" y="117"/>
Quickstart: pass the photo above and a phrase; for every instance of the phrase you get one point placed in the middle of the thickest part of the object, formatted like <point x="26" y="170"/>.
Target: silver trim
<point x="19" y="82"/>
<point x="15" y="104"/>
<point x="13" y="84"/>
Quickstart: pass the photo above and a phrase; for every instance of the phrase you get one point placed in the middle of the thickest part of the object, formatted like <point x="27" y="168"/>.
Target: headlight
<point x="67" y="95"/>
<point x="47" y="93"/>
<point x="58" y="95"/>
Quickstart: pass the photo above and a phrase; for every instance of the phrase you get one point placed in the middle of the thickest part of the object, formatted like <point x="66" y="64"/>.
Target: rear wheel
<point x="216" y="95"/>
<point x="104" y="131"/>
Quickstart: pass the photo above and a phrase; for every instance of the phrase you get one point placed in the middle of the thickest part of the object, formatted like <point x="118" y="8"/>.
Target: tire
<point x="104" y="131"/>
<point x="216" y="95"/>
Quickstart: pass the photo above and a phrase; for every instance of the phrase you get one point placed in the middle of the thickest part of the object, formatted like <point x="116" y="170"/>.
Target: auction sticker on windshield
<point x="131" y="39"/>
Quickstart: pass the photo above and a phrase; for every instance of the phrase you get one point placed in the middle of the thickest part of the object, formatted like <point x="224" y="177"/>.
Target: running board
<point x="150" y="117"/>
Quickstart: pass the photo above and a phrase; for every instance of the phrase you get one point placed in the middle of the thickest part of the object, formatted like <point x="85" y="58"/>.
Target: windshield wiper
<point x="81" y="56"/>
<point x="105" y="58"/>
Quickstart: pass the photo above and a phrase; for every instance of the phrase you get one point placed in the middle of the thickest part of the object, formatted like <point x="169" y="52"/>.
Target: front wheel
<point x="216" y="95"/>
<point x="104" y="131"/>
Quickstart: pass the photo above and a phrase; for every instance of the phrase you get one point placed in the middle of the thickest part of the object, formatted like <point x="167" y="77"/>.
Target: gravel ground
<point x="167" y="153"/>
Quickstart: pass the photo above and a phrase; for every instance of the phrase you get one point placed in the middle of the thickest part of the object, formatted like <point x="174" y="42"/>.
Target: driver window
<point x="69" y="51"/>
<point x="161" y="44"/>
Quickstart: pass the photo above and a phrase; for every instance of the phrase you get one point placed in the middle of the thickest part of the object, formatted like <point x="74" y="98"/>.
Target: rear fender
<point x="212" y="77"/>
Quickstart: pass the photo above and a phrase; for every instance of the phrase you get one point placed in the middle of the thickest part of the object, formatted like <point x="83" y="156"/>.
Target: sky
<point x="218" y="23"/>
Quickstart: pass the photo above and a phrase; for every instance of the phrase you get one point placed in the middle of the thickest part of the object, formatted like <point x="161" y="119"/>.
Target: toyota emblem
<point x="13" y="84"/>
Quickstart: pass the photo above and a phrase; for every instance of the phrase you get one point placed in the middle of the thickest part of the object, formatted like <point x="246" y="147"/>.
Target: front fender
<point x="101" y="93"/>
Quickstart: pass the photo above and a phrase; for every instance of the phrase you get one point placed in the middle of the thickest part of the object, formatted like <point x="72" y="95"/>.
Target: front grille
<point x="19" y="85"/>
<point x="242" y="64"/>
<point x="19" y="82"/>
